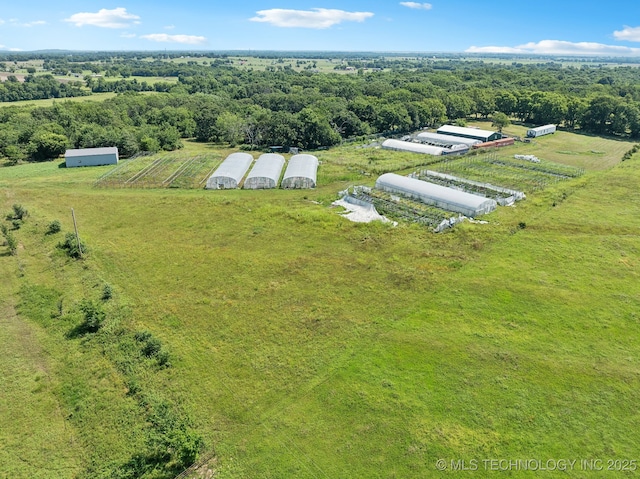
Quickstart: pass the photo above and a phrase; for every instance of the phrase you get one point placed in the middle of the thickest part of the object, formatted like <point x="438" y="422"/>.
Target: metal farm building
<point x="265" y="174"/>
<point x="445" y="140"/>
<point x="399" y="145"/>
<point x="540" y="131"/>
<point x="301" y="172"/>
<point x="473" y="133"/>
<point x="91" y="157"/>
<point x="436" y="195"/>
<point x="230" y="173"/>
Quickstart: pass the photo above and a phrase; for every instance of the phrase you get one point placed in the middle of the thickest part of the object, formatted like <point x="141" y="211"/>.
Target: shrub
<point x="3" y="229"/>
<point x="94" y="316"/>
<point x="19" y="213"/>
<point x="107" y="292"/>
<point x="70" y="246"/>
<point x="16" y="224"/>
<point x="53" y="227"/>
<point x="151" y="347"/>
<point x="12" y="243"/>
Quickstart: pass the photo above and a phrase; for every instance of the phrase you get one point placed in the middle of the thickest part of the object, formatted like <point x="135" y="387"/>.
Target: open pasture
<point x="303" y="345"/>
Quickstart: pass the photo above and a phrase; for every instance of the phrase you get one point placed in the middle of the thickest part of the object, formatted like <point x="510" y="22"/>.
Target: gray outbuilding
<point x="230" y="173"/>
<point x="265" y="173"/>
<point x="440" y="196"/>
<point x="301" y="172"/>
<point x="473" y="133"/>
<point x="91" y="157"/>
<point x="541" y="131"/>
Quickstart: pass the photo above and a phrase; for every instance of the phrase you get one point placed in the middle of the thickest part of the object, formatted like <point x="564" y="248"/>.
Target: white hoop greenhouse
<point x="265" y="173"/>
<point x="301" y="172"/>
<point x="230" y="173"/>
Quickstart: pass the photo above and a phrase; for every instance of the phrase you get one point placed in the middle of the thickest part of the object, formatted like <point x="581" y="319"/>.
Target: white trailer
<point x="540" y="131"/>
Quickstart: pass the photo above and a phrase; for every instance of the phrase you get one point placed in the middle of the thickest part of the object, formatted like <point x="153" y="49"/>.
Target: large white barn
<point x="265" y="173"/>
<point x="436" y="195"/>
<point x="91" y="157"/>
<point x="230" y="173"/>
<point x="301" y="172"/>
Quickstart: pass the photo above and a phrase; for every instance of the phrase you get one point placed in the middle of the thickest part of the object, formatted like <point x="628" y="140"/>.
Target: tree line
<point x="219" y="102"/>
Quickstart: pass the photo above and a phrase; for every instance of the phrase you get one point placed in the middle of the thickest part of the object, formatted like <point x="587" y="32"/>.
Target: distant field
<point x="303" y="345"/>
<point x="51" y="101"/>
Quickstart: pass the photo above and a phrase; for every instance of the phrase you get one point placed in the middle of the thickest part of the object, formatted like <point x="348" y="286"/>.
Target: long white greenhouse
<point x="301" y="172"/>
<point x="265" y="173"/>
<point x="230" y="173"/>
<point x="436" y="195"/>
<point x="445" y="140"/>
<point x="399" y="145"/>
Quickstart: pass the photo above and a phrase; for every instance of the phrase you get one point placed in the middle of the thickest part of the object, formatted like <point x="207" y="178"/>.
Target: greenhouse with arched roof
<point x="230" y="173"/>
<point x="399" y="145"/>
<point x="439" y="196"/>
<point x="265" y="173"/>
<point x="445" y="140"/>
<point x="301" y="172"/>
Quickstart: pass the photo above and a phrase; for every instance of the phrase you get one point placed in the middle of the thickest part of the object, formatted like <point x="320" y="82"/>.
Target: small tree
<point x="500" y="121"/>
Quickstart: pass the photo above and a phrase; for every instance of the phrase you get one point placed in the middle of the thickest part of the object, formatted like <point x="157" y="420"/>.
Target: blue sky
<point x="543" y="26"/>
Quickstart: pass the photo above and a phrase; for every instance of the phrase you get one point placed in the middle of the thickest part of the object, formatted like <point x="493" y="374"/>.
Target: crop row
<point x="167" y="171"/>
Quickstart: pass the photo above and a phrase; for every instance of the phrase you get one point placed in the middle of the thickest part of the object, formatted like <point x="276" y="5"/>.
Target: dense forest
<point x="214" y="100"/>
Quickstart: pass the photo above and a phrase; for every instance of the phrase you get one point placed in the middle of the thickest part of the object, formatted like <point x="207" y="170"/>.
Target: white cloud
<point x="166" y="38"/>
<point x="631" y="34"/>
<point x="559" y="47"/>
<point x="116" y="18"/>
<point x="315" y="18"/>
<point x="492" y="49"/>
<point x="169" y="27"/>
<point x="33" y="24"/>
<point x="13" y="22"/>
<point x="416" y="5"/>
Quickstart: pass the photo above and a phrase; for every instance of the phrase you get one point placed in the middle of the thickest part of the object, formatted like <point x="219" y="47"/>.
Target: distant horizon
<point x="457" y="26"/>
<point x="249" y="52"/>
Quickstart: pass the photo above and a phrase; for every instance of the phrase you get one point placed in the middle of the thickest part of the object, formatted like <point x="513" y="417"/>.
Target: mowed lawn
<point x="304" y="345"/>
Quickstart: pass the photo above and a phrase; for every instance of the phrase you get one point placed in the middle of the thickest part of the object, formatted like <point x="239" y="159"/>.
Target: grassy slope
<point x="308" y="346"/>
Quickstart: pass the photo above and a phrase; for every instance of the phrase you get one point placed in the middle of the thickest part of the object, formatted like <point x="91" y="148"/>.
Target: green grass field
<point x="303" y="345"/>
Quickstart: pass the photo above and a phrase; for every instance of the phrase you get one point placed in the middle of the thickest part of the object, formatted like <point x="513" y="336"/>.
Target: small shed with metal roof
<point x="91" y="157"/>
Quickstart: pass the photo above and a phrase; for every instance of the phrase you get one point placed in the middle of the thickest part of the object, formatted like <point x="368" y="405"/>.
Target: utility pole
<point x="75" y="227"/>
